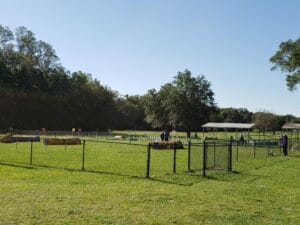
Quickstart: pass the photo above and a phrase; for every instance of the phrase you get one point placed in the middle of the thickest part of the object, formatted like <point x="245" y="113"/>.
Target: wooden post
<point x="148" y="161"/>
<point x="65" y="142"/>
<point x="83" y="155"/>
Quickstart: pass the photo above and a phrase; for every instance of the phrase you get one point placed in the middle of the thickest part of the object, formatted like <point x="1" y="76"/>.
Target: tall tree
<point x="287" y="58"/>
<point x="185" y="103"/>
<point x="232" y="115"/>
<point x="6" y="35"/>
<point x="266" y="121"/>
<point x="156" y="113"/>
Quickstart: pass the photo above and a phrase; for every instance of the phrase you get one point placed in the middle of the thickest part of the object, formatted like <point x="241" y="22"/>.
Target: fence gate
<point x="217" y="156"/>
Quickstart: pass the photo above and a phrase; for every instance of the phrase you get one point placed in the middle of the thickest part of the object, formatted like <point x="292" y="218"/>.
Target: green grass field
<point x="113" y="190"/>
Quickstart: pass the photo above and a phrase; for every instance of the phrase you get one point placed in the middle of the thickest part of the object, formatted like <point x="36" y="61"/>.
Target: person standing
<point x="162" y="136"/>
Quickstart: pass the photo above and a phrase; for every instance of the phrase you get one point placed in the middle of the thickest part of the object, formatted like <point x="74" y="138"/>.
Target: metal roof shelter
<point x="291" y="126"/>
<point x="236" y="126"/>
<point x="229" y="125"/>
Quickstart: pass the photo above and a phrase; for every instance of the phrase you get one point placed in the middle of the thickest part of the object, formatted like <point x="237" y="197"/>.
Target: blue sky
<point x="135" y="45"/>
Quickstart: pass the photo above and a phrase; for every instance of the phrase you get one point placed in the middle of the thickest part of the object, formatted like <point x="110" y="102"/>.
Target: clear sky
<point x="135" y="45"/>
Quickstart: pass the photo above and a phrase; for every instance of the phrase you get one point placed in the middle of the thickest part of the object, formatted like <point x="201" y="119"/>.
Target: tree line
<point x="37" y="91"/>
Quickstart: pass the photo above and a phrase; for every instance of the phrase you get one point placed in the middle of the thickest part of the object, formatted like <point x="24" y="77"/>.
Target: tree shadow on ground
<point x="182" y="178"/>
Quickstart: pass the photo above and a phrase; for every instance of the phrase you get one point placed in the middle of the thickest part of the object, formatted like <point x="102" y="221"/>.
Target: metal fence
<point x="262" y="148"/>
<point x="139" y="160"/>
<point x="107" y="157"/>
<point x="210" y="155"/>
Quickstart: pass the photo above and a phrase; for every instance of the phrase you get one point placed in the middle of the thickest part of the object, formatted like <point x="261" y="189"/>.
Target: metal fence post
<point x="237" y="151"/>
<point x="148" y="161"/>
<point x="174" y="157"/>
<point x="189" y="156"/>
<point x="204" y="159"/>
<point x="214" y="153"/>
<point x="254" y="146"/>
<point x="30" y="159"/>
<point x="83" y="155"/>
<point x="229" y="157"/>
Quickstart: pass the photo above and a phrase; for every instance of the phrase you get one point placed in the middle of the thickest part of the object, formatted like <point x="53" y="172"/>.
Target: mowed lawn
<point x="113" y="190"/>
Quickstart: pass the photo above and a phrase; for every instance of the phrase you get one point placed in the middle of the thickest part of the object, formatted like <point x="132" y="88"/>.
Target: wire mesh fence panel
<point x="217" y="156"/>
<point x="261" y="152"/>
<point x="162" y="162"/>
<point x="294" y="144"/>
<point x="196" y="157"/>
<point x="57" y="156"/>
<point x="115" y="158"/>
<point x="16" y="153"/>
<point x="256" y="149"/>
<point x="240" y="152"/>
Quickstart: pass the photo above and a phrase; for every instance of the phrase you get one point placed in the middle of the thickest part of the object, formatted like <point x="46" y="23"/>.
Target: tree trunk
<point x="188" y="133"/>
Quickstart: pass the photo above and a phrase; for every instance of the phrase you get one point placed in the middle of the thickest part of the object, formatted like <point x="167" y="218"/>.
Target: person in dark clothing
<point x="285" y="145"/>
<point x="242" y="140"/>
<point x="167" y="135"/>
<point x="162" y="136"/>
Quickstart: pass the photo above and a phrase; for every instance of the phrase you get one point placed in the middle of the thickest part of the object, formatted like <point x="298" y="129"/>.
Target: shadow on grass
<point x="236" y="177"/>
<point x="16" y="165"/>
<point x="181" y="179"/>
<point x="184" y="178"/>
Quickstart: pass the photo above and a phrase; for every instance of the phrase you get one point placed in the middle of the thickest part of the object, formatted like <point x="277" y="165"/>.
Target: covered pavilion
<point x="292" y="127"/>
<point x="226" y="126"/>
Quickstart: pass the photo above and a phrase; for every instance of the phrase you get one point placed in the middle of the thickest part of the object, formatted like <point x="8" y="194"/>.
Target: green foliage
<point x="30" y="75"/>
<point x="156" y="114"/>
<point x="184" y="103"/>
<point x="132" y="114"/>
<point x="232" y="115"/>
<point x="287" y="58"/>
<point x="37" y="91"/>
<point x="266" y="121"/>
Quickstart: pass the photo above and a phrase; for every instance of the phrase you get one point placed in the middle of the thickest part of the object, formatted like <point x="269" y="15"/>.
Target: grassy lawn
<point x="113" y="190"/>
